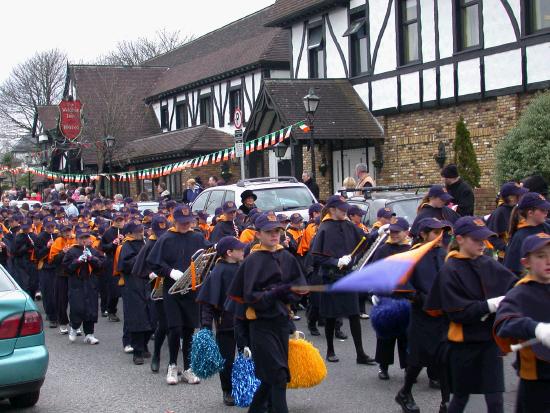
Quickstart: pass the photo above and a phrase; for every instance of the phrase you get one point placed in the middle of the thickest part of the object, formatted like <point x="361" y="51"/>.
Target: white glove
<point x="383" y="228"/>
<point x="152" y="276"/>
<point x="375" y="300"/>
<point x="343" y="261"/>
<point x="542" y="332"/>
<point x="493" y="303"/>
<point x="83" y="258"/>
<point x="176" y="274"/>
<point x="87" y="252"/>
<point x="247" y="353"/>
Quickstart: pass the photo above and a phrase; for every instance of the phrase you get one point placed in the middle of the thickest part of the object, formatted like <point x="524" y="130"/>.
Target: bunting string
<point x="223" y="155"/>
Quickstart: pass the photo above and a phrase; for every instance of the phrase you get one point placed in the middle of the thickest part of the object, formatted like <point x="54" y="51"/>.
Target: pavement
<point x="102" y="378"/>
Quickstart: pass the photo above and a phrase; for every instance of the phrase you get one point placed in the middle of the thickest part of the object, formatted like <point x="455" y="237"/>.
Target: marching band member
<point x="47" y="273"/>
<point x="135" y="292"/>
<point x="355" y="215"/>
<point x="468" y="290"/>
<point x="499" y="220"/>
<point x="203" y="226"/>
<point x="335" y="240"/>
<point x="434" y="206"/>
<point x="24" y="258"/>
<point x="425" y="333"/>
<point x="248" y="235"/>
<point x="212" y="297"/>
<point x="528" y="218"/>
<point x="170" y="258"/>
<point x="225" y="225"/>
<point x="397" y="242"/>
<point x="159" y="225"/>
<point x="83" y="263"/>
<point x="3" y="249"/>
<point x="524" y="314"/>
<point x="263" y="284"/>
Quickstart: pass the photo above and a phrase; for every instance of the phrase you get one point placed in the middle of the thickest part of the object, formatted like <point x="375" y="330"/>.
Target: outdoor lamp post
<point x="110" y="144"/>
<point x="311" y="101"/>
<point x="280" y="150"/>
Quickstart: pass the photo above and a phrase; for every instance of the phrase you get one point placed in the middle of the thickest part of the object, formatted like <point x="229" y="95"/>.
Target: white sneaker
<point x="63" y="330"/>
<point x="90" y="339"/>
<point x="78" y="331"/>
<point x="172" y="376"/>
<point x="364" y="316"/>
<point x="72" y="335"/>
<point x="128" y="349"/>
<point x="189" y="377"/>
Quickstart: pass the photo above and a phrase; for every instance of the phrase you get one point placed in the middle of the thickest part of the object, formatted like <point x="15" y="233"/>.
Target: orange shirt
<point x="309" y="233"/>
<point x="248" y="235"/>
<point x="363" y="228"/>
<point x="297" y="234"/>
<point x="58" y="246"/>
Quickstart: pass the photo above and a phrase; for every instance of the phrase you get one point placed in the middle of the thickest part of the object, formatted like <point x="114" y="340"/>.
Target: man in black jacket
<point x="461" y="192"/>
<point x="311" y="184"/>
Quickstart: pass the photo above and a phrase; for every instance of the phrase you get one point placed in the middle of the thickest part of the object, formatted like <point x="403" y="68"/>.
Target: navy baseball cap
<point x="128" y="200"/>
<point x="82" y="232"/>
<point x="37" y="205"/>
<point x="229" y="207"/>
<point x="400" y="224"/>
<point x="438" y="191"/>
<point x="355" y="210"/>
<point x="159" y="225"/>
<point x="183" y="215"/>
<point x="268" y="221"/>
<point x="283" y="218"/>
<point x="534" y="242"/>
<point x="473" y="227"/>
<point x="117" y="215"/>
<point x="49" y="220"/>
<point x="202" y="215"/>
<point x="171" y="204"/>
<point x="432" y="223"/>
<point x="133" y="227"/>
<point x="229" y="243"/>
<point x="97" y="201"/>
<point x="252" y="217"/>
<point x="512" y="188"/>
<point x="315" y="208"/>
<point x="26" y="223"/>
<point x="337" y="201"/>
<point x="533" y="200"/>
<point x="296" y="218"/>
<point x="218" y="211"/>
<point x="385" y="213"/>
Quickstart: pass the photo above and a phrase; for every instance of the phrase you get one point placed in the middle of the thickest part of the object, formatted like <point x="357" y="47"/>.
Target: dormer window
<point x="205" y="109"/>
<point x="182" y="116"/>
<point x="357" y="32"/>
<point x="316" y="52"/>
<point x="164" y="117"/>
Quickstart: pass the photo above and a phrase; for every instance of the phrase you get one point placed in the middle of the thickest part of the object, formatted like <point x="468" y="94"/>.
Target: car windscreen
<point x="405" y="208"/>
<point x="283" y="199"/>
<point x="5" y="283"/>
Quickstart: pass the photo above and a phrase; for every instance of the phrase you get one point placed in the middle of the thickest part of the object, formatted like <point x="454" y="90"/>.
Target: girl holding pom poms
<point x="212" y="296"/>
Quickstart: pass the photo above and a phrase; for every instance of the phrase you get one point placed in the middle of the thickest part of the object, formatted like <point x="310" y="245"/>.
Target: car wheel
<point x="25" y="400"/>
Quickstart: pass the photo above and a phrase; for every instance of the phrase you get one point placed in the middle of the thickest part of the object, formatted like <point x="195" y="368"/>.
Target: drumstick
<point x="525" y="344"/>
<point x="309" y="288"/>
<point x="363" y="239"/>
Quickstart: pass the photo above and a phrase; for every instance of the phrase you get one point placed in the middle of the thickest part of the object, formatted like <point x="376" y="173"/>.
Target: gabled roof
<point x="48" y="115"/>
<point x="284" y="12"/>
<point x="237" y="47"/>
<point x="341" y="113"/>
<point x="182" y="142"/>
<point x="112" y="99"/>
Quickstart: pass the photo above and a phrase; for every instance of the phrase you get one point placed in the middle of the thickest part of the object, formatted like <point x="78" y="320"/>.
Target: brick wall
<point x="325" y="182"/>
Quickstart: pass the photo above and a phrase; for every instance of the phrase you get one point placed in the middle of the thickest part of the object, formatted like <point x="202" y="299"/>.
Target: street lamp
<point x="110" y="144"/>
<point x="280" y="150"/>
<point x="311" y="101"/>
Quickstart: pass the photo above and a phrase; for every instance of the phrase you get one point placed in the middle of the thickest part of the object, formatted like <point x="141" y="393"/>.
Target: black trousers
<point x="139" y="340"/>
<point x="533" y="396"/>
<point x="385" y="351"/>
<point x="87" y="326"/>
<point x="103" y="292"/>
<point x="113" y="294"/>
<point x="47" y="288"/>
<point x="226" y="343"/>
<point x="62" y="299"/>
<point x="273" y="396"/>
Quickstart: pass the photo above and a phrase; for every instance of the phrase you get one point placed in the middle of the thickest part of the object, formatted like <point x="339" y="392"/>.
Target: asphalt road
<point x="101" y="378"/>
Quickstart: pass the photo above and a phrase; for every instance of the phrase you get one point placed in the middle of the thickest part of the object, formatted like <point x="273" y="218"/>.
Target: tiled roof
<point x="198" y="139"/>
<point x="112" y="99"/>
<point x="48" y="116"/>
<point x="284" y="12"/>
<point x="341" y="113"/>
<point x="239" y="46"/>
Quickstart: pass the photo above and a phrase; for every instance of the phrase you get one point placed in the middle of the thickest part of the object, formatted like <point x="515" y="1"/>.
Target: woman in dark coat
<point x="136" y="292"/>
<point x="335" y="240"/>
<point x="434" y="206"/>
<point x="24" y="257"/>
<point x="83" y="264"/>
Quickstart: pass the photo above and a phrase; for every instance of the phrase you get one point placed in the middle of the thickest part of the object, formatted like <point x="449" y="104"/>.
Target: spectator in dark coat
<point x="461" y="192"/>
<point x="310" y="183"/>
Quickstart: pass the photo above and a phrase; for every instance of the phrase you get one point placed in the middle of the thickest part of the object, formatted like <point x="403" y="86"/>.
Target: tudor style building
<point x="419" y="64"/>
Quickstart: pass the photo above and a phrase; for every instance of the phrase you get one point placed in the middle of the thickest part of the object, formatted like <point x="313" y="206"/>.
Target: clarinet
<point x="236" y="229"/>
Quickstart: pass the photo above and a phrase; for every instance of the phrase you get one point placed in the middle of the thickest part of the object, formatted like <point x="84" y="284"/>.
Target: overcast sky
<point x="87" y="29"/>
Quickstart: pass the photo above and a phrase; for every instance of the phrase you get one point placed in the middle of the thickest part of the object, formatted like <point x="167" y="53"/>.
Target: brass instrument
<point x="156" y="293"/>
<point x="361" y="262"/>
<point x="195" y="274"/>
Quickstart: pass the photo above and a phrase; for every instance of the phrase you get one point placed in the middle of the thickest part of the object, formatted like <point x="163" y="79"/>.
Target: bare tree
<point x="37" y="81"/>
<point x="135" y="52"/>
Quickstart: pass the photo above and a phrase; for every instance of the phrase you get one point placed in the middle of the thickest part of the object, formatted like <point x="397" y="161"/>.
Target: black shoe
<point x="332" y="358"/>
<point x="434" y="384"/>
<point x="146" y="354"/>
<point x="155" y="364"/>
<point x="443" y="407"/>
<point x="53" y="324"/>
<point x="407" y="402"/>
<point x="383" y="374"/>
<point x="138" y="360"/>
<point x="104" y="314"/>
<point x="339" y="334"/>
<point x="314" y="331"/>
<point x="366" y="359"/>
<point x="114" y="318"/>
<point x="228" y="399"/>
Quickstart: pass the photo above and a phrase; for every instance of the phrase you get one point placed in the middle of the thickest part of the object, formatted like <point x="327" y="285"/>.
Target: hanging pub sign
<point x="70" y="118"/>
